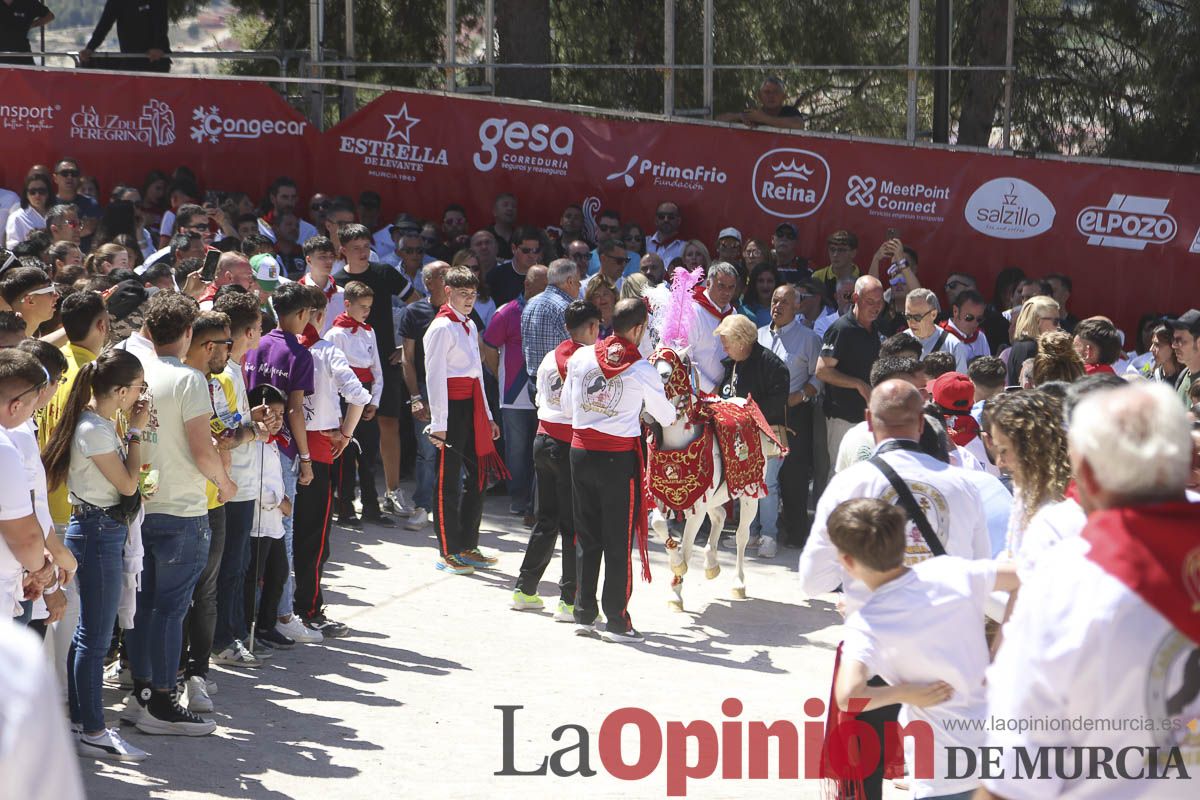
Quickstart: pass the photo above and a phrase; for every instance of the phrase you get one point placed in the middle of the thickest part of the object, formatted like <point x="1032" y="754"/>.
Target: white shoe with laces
<point x="195" y="695"/>
<point x="109" y="745"/>
<point x="768" y="548"/>
<point x="298" y="631"/>
<point x="133" y="710"/>
<point x="417" y="520"/>
<point x="400" y="504"/>
<point x="236" y="655"/>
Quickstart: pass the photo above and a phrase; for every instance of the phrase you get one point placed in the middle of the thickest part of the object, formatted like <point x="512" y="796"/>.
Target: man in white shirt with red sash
<point x="712" y="299"/>
<point x="552" y="462"/>
<point x="460" y="426"/>
<point x="1107" y="629"/>
<point x="319" y="255"/>
<point x="607" y="386"/>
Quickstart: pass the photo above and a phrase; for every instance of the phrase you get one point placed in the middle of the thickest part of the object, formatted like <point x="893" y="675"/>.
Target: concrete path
<point x="405" y="706"/>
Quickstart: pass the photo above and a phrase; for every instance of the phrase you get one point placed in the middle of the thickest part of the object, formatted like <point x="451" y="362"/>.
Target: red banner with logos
<point x="235" y="135"/>
<point x="1128" y="237"/>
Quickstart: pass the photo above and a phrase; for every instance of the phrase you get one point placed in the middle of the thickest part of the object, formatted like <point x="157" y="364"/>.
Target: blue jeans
<point x="291" y="470"/>
<point x="231" y="580"/>
<point x="766" y="523"/>
<point x="176" y="552"/>
<point x="98" y="544"/>
<point x="425" y="469"/>
<point x="520" y="426"/>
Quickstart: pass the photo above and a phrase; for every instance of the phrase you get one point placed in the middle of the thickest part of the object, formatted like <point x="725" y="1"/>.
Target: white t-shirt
<point x="1053" y="523"/>
<point x="926" y="626"/>
<point x="951" y="344"/>
<point x="242" y="467"/>
<point x="613" y="405"/>
<point x="94" y="436"/>
<point x="857" y="445"/>
<point x="1082" y="645"/>
<point x="949" y="498"/>
<point x="16" y="502"/>
<point x="178" y="393"/>
<point x="268" y="518"/>
<point x="24" y="439"/>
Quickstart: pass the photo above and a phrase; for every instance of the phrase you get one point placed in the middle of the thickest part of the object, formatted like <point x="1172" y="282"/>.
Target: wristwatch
<point x="415" y="400"/>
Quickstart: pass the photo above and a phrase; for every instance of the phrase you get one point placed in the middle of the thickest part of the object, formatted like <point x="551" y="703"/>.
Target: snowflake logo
<point x="208" y="124"/>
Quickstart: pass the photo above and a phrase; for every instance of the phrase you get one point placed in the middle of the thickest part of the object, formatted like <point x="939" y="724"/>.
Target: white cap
<point x="734" y="232"/>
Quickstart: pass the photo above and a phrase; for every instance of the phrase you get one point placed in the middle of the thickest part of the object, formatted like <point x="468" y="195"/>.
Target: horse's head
<point x="674" y="369"/>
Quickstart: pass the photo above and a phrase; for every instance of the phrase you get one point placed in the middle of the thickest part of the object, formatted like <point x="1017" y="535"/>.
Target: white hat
<point x="734" y="232"/>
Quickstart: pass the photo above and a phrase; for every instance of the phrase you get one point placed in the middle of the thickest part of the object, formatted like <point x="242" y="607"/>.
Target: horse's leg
<point x="676" y="604"/>
<point x="716" y="516"/>
<point x="748" y="508"/>
<point x="683" y="552"/>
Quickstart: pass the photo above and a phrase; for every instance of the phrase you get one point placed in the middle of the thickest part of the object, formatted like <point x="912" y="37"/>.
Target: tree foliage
<point x="1113" y="78"/>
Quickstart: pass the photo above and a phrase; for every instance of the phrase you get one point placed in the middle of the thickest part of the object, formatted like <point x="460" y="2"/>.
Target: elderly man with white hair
<point x="920" y="312"/>
<point x="713" y="301"/>
<point x="543" y="320"/>
<point x="1106" y="628"/>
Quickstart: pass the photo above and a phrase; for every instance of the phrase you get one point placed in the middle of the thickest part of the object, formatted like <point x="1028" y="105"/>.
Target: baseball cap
<point x="953" y="393"/>
<point x="266" y="271"/>
<point x="787" y="229"/>
<point x="844" y="238"/>
<point x="126" y="297"/>
<point x="1188" y="321"/>
<point x="731" y="233"/>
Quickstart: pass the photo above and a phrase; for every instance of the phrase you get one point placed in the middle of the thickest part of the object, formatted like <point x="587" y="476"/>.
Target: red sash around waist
<point x="589" y="439"/>
<point x="489" y="462"/>
<point x="556" y="430"/>
<point x="364" y="374"/>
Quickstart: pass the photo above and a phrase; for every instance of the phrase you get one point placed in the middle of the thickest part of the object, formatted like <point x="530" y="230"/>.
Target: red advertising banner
<point x="1128" y="237"/>
<point x="235" y="135"/>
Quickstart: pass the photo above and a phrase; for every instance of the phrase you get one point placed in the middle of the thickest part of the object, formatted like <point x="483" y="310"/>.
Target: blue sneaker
<point x="477" y="559"/>
<point x="455" y="565"/>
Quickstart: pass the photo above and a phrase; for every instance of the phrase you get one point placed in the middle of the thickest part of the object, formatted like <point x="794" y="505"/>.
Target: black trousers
<point x="201" y="621"/>
<point x="311" y="520"/>
<point x="268" y="567"/>
<point x="606" y="500"/>
<point x="555" y="518"/>
<point x="457" y="501"/>
<point x="877" y="719"/>
<point x="358" y="462"/>
<point x="795" y="473"/>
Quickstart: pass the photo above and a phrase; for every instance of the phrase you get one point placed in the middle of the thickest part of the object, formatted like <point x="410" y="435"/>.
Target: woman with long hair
<point x="1056" y="359"/>
<point x="1163" y="365"/>
<point x="119" y="217"/>
<point x="755" y="251"/>
<point x="634" y="238"/>
<point x="101" y="473"/>
<point x="761" y="285"/>
<point x="106" y="258"/>
<point x="35" y="202"/>
<point x="1039" y="314"/>
<point x="485" y="306"/>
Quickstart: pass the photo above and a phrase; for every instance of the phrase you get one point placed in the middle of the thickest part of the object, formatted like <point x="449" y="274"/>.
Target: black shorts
<point x="393" y="391"/>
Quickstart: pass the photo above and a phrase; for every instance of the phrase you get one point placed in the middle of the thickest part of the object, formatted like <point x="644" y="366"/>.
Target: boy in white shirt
<point x="319" y="255"/>
<point x="921" y="631"/>
<point x="356" y="340"/>
<point x="268" y="559"/>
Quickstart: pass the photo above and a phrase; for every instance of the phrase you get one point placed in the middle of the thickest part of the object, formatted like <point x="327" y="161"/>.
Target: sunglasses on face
<point x="412" y="251"/>
<point x="956" y="284"/>
<point x="609" y="228"/>
<point x="226" y="342"/>
<point x="31" y="390"/>
<point x="918" y="317"/>
<point x="802" y="297"/>
<point x="666" y="215"/>
<point x="969" y="317"/>
<point x="529" y="251"/>
<point x="68" y="173"/>
<point x="37" y="190"/>
<point x="51" y="289"/>
<point x="319" y="206"/>
<point x="785" y="235"/>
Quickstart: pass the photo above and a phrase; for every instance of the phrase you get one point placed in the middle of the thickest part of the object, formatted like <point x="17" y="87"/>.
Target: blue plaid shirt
<point x="543" y="326"/>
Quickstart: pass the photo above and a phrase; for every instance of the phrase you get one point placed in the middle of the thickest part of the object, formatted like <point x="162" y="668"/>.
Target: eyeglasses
<point x="622" y="258"/>
<point x="529" y="251"/>
<point x="609" y="228"/>
<point x="68" y="173"/>
<point x="666" y="215"/>
<point x="838" y="249"/>
<point x="37" y="190"/>
<point x="412" y="251"/>
<point x="785" y="234"/>
<point x="194" y="228"/>
<point x="319" y="206"/>
<point x="956" y="284"/>
<point x="802" y="297"/>
<point x="969" y="317"/>
<point x="226" y="342"/>
<point x="51" y="289"/>
<point x="918" y="317"/>
<point x="71" y="223"/>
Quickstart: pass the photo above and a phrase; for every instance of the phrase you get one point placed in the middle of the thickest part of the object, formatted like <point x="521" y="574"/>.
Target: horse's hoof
<point x="712" y="572"/>
<point x="739" y="593"/>
<point x="680" y="569"/>
<point x="675" y="605"/>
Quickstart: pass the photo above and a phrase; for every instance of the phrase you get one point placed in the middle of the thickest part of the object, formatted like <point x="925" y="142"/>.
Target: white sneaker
<point x="110" y="745"/>
<point x="114" y="673"/>
<point x="195" y="695"/>
<point x="417" y="520"/>
<point x="236" y="655"/>
<point x="767" y="548"/>
<point x="400" y="503"/>
<point x="295" y="629"/>
<point x="133" y="710"/>
<point x="211" y="685"/>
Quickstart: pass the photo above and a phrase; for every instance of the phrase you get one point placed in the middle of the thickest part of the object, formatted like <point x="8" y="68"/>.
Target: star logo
<point x="400" y="124"/>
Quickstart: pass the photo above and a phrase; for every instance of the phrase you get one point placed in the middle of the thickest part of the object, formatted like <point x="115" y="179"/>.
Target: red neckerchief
<point x="615" y="354"/>
<point x="209" y="293"/>
<point x="1092" y="369"/>
<point x="329" y="293"/>
<point x="962" y="428"/>
<point x="1072" y="492"/>
<point x="957" y="334"/>
<point x="309" y="337"/>
<point x="1155" y="551"/>
<point x="563" y="352"/>
<point x="279" y="439"/>
<point x="344" y="320"/>
<point x="698" y="294"/>
<point x="452" y="315"/>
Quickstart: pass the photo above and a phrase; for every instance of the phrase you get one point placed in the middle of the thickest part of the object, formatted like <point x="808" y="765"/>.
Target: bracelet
<point x="305" y="458"/>
<point x="134" y="433"/>
<point x="415" y="400"/>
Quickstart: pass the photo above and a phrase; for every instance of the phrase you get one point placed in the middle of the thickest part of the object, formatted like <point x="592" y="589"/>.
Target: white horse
<point x="678" y="436"/>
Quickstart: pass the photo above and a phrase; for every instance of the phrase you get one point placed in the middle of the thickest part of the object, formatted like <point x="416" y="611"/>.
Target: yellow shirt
<point x="48" y="417"/>
<point x="224" y="397"/>
<point x="826" y="274"/>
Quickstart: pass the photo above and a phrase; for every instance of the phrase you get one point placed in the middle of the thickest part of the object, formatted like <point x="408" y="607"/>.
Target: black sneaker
<point x="378" y="518"/>
<point x="629" y="636"/>
<point x="349" y="520"/>
<point x="326" y="627"/>
<point x="166" y="717"/>
<point x="274" y="639"/>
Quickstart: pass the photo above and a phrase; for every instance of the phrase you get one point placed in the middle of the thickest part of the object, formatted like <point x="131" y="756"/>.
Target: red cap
<point x="953" y="392"/>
